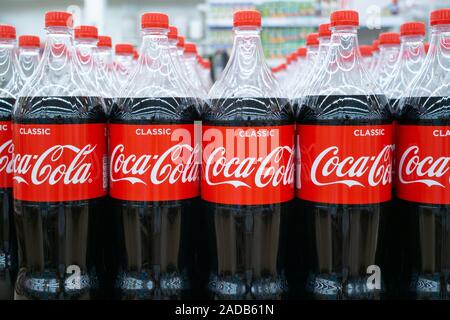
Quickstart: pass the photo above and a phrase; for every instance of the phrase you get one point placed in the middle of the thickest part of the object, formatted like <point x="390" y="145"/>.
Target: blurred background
<point x="208" y="22"/>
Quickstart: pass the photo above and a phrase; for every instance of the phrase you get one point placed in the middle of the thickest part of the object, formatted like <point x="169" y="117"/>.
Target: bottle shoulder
<point x="249" y="110"/>
<point x="344" y="109"/>
<point x="58" y="109"/>
<point x="154" y="110"/>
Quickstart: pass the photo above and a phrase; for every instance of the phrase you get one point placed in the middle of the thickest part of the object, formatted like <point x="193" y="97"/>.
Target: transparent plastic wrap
<point x="344" y="172"/>
<point x="246" y="210"/>
<point x="59" y="178"/>
<point x="154" y="173"/>
<point x="423" y="153"/>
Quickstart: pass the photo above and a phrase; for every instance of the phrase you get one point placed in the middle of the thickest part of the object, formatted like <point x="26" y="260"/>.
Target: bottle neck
<point x="412" y="48"/>
<point x="155" y="44"/>
<point x="343" y="45"/>
<point x="85" y="49"/>
<point x="58" y="49"/>
<point x="29" y="58"/>
<point x="440" y="41"/>
<point x="8" y="75"/>
<point x="247" y="49"/>
<point x="389" y="55"/>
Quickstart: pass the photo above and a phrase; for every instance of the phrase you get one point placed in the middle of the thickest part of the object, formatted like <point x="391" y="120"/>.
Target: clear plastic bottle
<point x="324" y="36"/>
<point x="388" y="59"/>
<point x="412" y="53"/>
<point x="190" y="60"/>
<point x="344" y="177"/>
<point x="423" y="175"/>
<point x="60" y="180"/>
<point x="10" y="84"/>
<point x="299" y="82"/>
<point x="154" y="173"/>
<point x="29" y="55"/>
<point x="124" y="63"/>
<point x="366" y="55"/>
<point x="85" y="40"/>
<point x="248" y="124"/>
<point x="104" y="75"/>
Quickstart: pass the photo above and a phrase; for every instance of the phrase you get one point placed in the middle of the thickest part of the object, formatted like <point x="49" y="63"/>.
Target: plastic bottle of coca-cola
<point x="423" y="168"/>
<point x="366" y="56"/>
<point x="60" y="180"/>
<point x="154" y="173"/>
<point x="248" y="172"/>
<point x="344" y="185"/>
<point x="29" y="55"/>
<point x="104" y="71"/>
<point x="412" y="56"/>
<point x="388" y="59"/>
<point x="124" y="63"/>
<point x="10" y="83"/>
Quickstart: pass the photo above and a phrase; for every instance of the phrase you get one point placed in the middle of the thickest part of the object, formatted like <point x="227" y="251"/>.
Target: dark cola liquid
<point x="8" y="246"/>
<point x="153" y="242"/>
<point x="245" y="247"/>
<point x="343" y="241"/>
<point x="426" y="264"/>
<point x="59" y="243"/>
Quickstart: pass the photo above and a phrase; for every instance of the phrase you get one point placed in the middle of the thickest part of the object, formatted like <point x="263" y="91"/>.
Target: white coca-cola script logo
<point x="269" y="170"/>
<point x="6" y="157"/>
<point x="44" y="167"/>
<point x="177" y="163"/>
<point x="426" y="170"/>
<point x="329" y="168"/>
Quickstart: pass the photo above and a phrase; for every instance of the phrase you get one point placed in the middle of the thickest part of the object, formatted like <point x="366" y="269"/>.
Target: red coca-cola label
<point x="248" y="165"/>
<point x="423" y="160"/>
<point x="59" y="162"/>
<point x="6" y="155"/>
<point x="154" y="162"/>
<point x="345" y="164"/>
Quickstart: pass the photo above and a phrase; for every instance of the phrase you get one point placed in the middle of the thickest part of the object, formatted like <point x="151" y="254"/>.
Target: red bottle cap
<point x="344" y="18"/>
<point x="190" y="48"/>
<point x="389" y="38"/>
<point x="135" y="54"/>
<point x="366" y="51"/>
<point x="86" y="32"/>
<point x="58" y="19"/>
<point x="251" y="18"/>
<point x="324" y="30"/>
<point x="282" y="66"/>
<point x="124" y="48"/>
<point x="155" y="20"/>
<point x="7" y="31"/>
<point x="312" y="39"/>
<point x="412" y="29"/>
<point x="301" y="52"/>
<point x="207" y="64"/>
<point x="427" y="47"/>
<point x="173" y="33"/>
<point x="376" y="45"/>
<point x="29" y="41"/>
<point x="441" y="16"/>
<point x="104" y="41"/>
<point x="180" y="43"/>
